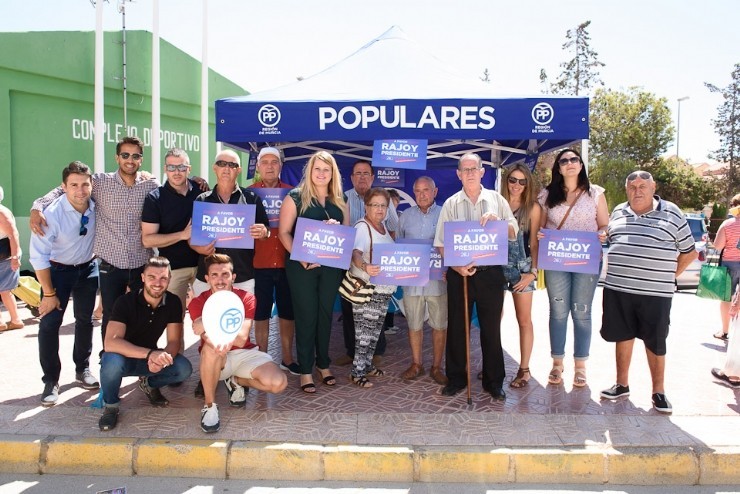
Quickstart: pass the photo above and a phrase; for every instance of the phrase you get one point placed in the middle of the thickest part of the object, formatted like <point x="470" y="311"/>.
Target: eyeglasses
<point x="643" y="175"/>
<point x="375" y="205"/>
<point x="472" y="169"/>
<point x="177" y="168"/>
<point x="572" y="159"/>
<point x="134" y="156"/>
<point x="230" y="164"/>
<point x="83" y="225"/>
<point x="362" y="174"/>
<point x="521" y="181"/>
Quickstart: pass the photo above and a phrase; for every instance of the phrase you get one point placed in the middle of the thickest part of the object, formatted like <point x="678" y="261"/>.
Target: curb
<point x="291" y="461"/>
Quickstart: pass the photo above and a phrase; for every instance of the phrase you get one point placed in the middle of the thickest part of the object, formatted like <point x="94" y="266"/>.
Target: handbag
<point x="353" y="288"/>
<point x="541" y="285"/>
<point x="4" y="248"/>
<point x="715" y="282"/>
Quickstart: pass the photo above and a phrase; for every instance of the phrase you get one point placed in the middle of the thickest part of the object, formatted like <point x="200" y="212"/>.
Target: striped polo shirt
<point x="644" y="249"/>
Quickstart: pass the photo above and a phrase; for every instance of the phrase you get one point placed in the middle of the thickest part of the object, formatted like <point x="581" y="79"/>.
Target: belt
<point x="60" y="265"/>
<point x="480" y="269"/>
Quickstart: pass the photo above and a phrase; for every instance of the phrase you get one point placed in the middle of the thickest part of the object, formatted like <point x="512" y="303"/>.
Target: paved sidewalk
<point x="398" y="430"/>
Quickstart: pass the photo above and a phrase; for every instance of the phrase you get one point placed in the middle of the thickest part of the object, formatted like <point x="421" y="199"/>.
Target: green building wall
<point x="47" y="112"/>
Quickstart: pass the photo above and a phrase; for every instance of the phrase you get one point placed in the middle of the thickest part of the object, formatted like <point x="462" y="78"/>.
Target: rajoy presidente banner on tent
<point x="240" y="120"/>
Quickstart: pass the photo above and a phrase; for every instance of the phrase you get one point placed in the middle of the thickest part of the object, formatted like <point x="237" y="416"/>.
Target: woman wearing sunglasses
<point x="520" y="193"/>
<point x="571" y="202"/>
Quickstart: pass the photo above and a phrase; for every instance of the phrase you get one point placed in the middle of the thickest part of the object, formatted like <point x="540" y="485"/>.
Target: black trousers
<point x="486" y="290"/>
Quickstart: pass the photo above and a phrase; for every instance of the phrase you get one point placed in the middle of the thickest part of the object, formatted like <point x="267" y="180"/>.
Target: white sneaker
<point x="237" y="393"/>
<point x="209" y="421"/>
<point x="86" y="379"/>
<point x="391" y="330"/>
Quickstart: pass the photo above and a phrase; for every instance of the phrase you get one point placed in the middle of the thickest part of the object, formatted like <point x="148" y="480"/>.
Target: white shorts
<point x="201" y="286"/>
<point x="416" y="308"/>
<point x="241" y="363"/>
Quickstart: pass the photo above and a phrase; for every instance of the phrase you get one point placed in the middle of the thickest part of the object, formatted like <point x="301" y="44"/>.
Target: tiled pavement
<point x="394" y="412"/>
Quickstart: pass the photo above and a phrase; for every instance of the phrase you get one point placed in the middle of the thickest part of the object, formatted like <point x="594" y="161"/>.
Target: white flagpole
<point x="204" y="140"/>
<point x="156" y="121"/>
<point x="99" y="103"/>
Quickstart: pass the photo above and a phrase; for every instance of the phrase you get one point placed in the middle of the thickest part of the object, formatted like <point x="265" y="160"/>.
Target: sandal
<point x="579" y="378"/>
<point x="327" y="378"/>
<point x="716" y="372"/>
<point x="374" y="372"/>
<point x="519" y="381"/>
<point x="721" y="335"/>
<point x="361" y="381"/>
<point x="556" y="375"/>
<point x="309" y="387"/>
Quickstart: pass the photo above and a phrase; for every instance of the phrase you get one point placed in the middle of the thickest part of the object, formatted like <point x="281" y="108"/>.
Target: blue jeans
<point x="82" y="283"/>
<point x="114" y="367"/>
<point x="113" y="284"/>
<point x="570" y="293"/>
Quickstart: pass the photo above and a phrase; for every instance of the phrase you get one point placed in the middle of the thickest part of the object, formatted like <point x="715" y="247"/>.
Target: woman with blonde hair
<point x="10" y="264"/>
<point x="519" y="191"/>
<point x="726" y="241"/>
<point x="314" y="287"/>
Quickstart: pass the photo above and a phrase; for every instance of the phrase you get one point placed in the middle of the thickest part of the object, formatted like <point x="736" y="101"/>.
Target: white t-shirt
<point x="362" y="242"/>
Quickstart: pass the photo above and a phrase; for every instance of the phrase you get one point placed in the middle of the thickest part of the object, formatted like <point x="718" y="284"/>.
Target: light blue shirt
<point x="414" y="224"/>
<point x="357" y="211"/>
<point x="62" y="241"/>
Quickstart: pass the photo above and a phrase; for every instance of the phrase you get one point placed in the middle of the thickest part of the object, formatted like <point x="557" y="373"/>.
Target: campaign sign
<point x="401" y="264"/>
<point x="467" y="241"/>
<point x="571" y="251"/>
<point x="328" y="245"/>
<point x="436" y="269"/>
<point x="400" y="153"/>
<point x="272" y="199"/>
<point x="390" y="177"/>
<point x="227" y="224"/>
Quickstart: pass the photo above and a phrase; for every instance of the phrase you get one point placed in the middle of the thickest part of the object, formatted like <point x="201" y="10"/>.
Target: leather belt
<point x="60" y="265"/>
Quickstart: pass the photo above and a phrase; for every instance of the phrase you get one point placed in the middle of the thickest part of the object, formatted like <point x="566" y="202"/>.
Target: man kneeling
<point x="239" y="364"/>
<point x="138" y="320"/>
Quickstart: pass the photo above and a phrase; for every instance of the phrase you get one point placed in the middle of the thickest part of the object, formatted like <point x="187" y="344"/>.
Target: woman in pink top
<point x="727" y="239"/>
<point x="571" y="293"/>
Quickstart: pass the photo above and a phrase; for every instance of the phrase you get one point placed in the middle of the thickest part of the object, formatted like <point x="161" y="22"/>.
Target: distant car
<point x="690" y="277"/>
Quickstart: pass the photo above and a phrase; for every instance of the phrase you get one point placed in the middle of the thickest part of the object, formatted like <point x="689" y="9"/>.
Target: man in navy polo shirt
<point x="166" y="222"/>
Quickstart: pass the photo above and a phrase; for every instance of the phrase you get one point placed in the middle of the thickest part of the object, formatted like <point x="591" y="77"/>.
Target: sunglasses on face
<point x="134" y="156"/>
<point x="520" y="181"/>
<point x="177" y="168"/>
<point x="634" y="175"/>
<point x="230" y="164"/>
<point x="83" y="225"/>
<point x="572" y="159"/>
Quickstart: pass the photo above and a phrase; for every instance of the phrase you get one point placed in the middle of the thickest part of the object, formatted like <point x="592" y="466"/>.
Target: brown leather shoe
<point x="344" y="360"/>
<point x="438" y="376"/>
<point x="377" y="360"/>
<point x="15" y="325"/>
<point x="414" y="371"/>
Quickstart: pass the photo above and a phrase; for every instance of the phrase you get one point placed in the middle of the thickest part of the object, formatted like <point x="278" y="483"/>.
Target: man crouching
<point x="239" y="364"/>
<point x="137" y="321"/>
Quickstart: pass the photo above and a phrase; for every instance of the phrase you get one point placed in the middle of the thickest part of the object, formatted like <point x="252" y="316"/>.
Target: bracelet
<point x="15" y="258"/>
<point x="51" y="294"/>
<point x="150" y="353"/>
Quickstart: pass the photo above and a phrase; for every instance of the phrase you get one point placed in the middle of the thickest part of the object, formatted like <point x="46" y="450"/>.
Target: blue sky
<point x="668" y="47"/>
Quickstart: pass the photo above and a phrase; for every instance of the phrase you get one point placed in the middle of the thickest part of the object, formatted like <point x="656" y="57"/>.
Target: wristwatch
<point x="534" y="272"/>
<point x="15" y="257"/>
<point x="268" y="233"/>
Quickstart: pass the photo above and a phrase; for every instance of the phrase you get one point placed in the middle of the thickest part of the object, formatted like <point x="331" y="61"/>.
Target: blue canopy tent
<point x="392" y="88"/>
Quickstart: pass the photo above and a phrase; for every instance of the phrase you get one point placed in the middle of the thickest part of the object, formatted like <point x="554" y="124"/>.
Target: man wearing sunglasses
<point x="64" y="265"/>
<point x="227" y="167"/>
<point x="651" y="244"/>
<point x="166" y="222"/>
<point x="119" y="198"/>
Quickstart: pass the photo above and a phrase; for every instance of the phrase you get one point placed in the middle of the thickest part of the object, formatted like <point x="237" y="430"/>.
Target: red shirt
<point x="269" y="253"/>
<point x="196" y="310"/>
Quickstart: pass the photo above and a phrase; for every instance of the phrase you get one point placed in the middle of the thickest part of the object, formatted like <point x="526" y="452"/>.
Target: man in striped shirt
<point x="651" y="244"/>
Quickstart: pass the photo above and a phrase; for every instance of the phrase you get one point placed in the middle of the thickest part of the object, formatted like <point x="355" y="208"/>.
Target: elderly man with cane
<point x="483" y="285"/>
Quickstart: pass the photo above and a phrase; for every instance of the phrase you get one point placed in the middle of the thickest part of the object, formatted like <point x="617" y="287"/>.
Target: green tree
<point x="727" y="126"/>
<point x="610" y="174"/>
<point x="677" y="182"/>
<point x="630" y="126"/>
<point x="580" y="73"/>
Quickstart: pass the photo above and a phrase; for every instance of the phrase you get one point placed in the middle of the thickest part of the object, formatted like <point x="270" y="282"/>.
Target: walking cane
<point x="467" y="335"/>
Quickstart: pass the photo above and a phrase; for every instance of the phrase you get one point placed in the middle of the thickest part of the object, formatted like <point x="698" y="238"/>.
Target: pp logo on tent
<point x="542" y="113"/>
<point x="269" y="115"/>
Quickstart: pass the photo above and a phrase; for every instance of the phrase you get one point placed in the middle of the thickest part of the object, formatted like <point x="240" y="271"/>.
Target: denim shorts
<point x="734" y="268"/>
